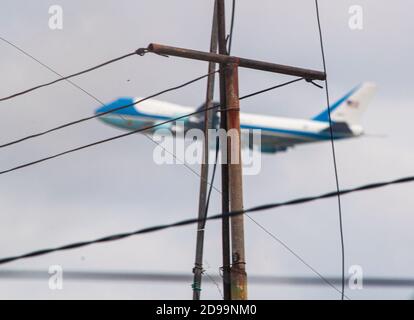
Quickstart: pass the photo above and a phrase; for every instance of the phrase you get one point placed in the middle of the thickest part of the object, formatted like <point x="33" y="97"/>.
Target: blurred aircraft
<point x="277" y="133"/>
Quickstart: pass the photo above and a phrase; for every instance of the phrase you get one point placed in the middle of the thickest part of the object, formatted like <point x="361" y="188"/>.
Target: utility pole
<point x="238" y="274"/>
<point x="238" y="277"/>
<point x="225" y="206"/>
<point x="202" y="206"/>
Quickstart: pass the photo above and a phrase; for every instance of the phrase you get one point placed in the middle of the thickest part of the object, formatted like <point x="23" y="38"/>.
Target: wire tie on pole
<point x="141" y="51"/>
<point x="198" y="267"/>
<point x="195" y="286"/>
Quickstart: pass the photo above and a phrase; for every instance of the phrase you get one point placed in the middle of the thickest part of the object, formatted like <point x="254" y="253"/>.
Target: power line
<point x="50" y="69"/>
<point x="230" y="36"/>
<point x="341" y="231"/>
<point x="55" y="72"/>
<point x="68" y="124"/>
<point x="137" y="130"/>
<point x="213" y="175"/>
<point x="140" y="52"/>
<point x="186" y="222"/>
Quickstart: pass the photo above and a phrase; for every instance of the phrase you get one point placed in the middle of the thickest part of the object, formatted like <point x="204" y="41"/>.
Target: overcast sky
<point x="117" y="187"/>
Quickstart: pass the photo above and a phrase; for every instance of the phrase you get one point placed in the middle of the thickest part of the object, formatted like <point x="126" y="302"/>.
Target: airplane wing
<point x="270" y="143"/>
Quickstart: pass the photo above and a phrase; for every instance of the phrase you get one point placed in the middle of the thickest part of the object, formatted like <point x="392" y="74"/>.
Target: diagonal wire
<point x="341" y="231"/>
<point x="50" y="69"/>
<point x="137" y="52"/>
<point x="283" y="244"/>
<point x="56" y="73"/>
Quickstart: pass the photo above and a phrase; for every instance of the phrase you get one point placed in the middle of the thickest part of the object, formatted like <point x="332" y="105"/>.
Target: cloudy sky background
<point x="117" y="187"/>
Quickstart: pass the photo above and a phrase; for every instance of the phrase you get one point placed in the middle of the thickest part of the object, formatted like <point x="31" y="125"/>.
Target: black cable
<point x="230" y="36"/>
<point x="271" y="88"/>
<point x="214" y="217"/>
<point x="65" y="125"/>
<point x="50" y="69"/>
<point x="137" y="130"/>
<point x="341" y="231"/>
<point x="139" y="52"/>
<point x="213" y="175"/>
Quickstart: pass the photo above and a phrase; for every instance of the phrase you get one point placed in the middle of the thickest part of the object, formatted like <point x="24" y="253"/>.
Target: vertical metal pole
<point x="224" y="167"/>
<point x="202" y="206"/>
<point x="238" y="269"/>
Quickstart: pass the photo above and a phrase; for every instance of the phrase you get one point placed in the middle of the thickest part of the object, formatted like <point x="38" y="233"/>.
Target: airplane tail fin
<point x="349" y="108"/>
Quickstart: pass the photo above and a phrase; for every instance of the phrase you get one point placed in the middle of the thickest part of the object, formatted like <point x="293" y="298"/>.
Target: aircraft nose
<point x="100" y="109"/>
<point x="117" y="105"/>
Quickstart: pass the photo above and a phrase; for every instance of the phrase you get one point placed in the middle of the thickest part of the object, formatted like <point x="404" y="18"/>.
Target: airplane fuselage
<point x="277" y="133"/>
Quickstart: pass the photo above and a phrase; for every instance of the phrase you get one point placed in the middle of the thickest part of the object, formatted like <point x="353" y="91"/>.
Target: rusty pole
<point x="242" y="62"/>
<point x="225" y="205"/>
<point x="238" y="274"/>
<point x="202" y="206"/>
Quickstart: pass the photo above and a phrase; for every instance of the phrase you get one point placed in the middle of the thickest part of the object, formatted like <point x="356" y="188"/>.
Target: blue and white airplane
<point x="277" y="134"/>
